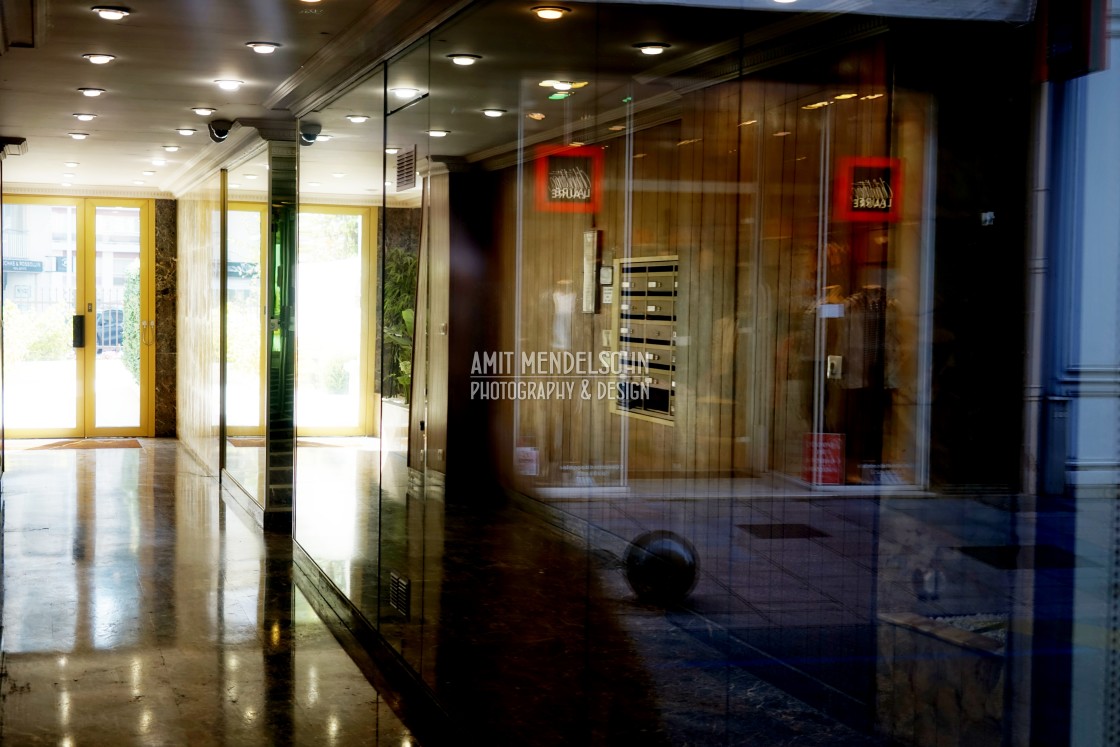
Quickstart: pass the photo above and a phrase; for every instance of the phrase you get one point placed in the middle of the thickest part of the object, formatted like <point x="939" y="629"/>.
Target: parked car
<point x="109" y="328"/>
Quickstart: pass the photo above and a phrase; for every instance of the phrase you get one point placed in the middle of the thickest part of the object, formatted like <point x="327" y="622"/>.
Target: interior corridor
<point x="138" y="608"/>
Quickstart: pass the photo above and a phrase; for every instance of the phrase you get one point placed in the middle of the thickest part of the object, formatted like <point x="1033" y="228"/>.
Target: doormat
<point x="92" y="443"/>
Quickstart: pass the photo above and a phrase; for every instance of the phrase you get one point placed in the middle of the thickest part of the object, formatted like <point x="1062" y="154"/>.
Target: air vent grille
<point x="406" y="169"/>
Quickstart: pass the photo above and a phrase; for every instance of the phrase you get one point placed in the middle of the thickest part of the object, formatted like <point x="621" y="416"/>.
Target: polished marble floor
<point x="138" y="609"/>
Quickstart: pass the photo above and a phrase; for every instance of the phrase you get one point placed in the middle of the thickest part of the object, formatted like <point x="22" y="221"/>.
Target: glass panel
<point x="40" y="293"/>
<point x="117" y="321"/>
<point x="246" y="226"/>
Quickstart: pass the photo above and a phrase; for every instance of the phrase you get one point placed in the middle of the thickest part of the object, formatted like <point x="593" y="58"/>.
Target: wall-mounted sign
<point x="868" y="189"/>
<point x="569" y="179"/>
<point x="822" y="460"/>
<point x="12" y="264"/>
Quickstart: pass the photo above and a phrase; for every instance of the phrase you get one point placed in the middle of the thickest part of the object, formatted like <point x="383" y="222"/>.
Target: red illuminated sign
<point x="569" y="179"/>
<point x="868" y="189"/>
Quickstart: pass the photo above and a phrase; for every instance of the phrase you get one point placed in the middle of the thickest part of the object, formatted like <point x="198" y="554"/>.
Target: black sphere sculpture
<point x="661" y="567"/>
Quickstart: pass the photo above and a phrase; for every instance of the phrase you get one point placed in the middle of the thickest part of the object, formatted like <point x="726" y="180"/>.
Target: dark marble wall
<point x="166" y="256"/>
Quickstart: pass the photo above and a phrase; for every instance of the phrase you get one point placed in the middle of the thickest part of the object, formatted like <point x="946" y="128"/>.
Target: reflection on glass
<point x="119" y="331"/>
<point x="40" y="288"/>
<point x="330" y="321"/>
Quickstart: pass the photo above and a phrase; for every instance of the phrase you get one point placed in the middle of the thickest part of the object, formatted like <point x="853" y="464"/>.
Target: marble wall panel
<point x="198" y="394"/>
<point x="165" y="291"/>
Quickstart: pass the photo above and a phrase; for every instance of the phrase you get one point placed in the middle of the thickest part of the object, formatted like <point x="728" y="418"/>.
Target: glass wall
<point x="667" y="382"/>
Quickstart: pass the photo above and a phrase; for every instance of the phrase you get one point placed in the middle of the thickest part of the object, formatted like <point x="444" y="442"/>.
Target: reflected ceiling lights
<point x="559" y="95"/>
<point x="79" y="135"/>
<point x="99" y="59"/>
<point x="438" y="133"/>
<point x="111" y="12"/>
<point x="92" y="92"/>
<point x="323" y="138"/>
<point x="562" y="85"/>
<point x="651" y="48"/>
<point x="464" y="59"/>
<point x="493" y="112"/>
<point x="263" y="47"/>
<point x="71" y="164"/>
<point x="357" y="118"/>
<point x="870" y="96"/>
<point x="537" y="116"/>
<point x="148" y="173"/>
<point x="392" y="151"/>
<point x="617" y="128"/>
<point x="405" y="93"/>
<point x="845" y="96"/>
<point x="551" y="12"/>
<point x="86" y="117"/>
<point x="185" y="131"/>
<point x="227" y="84"/>
<point x="171" y="148"/>
<point x="783" y="133"/>
<point x="203" y="111"/>
<point x="159" y="162"/>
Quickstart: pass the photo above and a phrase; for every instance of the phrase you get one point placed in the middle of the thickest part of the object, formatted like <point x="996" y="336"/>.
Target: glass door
<point x="78" y="317"/>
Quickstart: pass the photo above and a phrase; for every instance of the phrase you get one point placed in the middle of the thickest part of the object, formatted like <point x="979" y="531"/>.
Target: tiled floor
<point x="138" y="609"/>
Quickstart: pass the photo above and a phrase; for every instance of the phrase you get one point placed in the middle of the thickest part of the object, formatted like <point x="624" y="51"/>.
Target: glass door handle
<point x="79" y="332"/>
<point x="148" y="332"/>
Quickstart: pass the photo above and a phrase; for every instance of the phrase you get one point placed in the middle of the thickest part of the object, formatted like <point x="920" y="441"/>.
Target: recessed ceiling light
<point x="111" y="12"/>
<point x="785" y="1"/>
<point x="392" y="151"/>
<point x="464" y="59"/>
<point x="577" y="144"/>
<point x="99" y="59"/>
<point x="148" y="173"/>
<point x="185" y="131"/>
<point x="171" y="148"/>
<point x="79" y="135"/>
<point x="845" y="96"/>
<point x="388" y="183"/>
<point x="323" y="138"/>
<point x="159" y="162"/>
<point x="263" y="47"/>
<point x="405" y="93"/>
<point x="438" y="133"/>
<point x="71" y="164"/>
<point x="551" y="12"/>
<point x="227" y="84"/>
<point x="92" y="92"/>
<point x="617" y="128"/>
<point x="338" y="175"/>
<point x="651" y="47"/>
<point x="493" y="112"/>
<point x="538" y="116"/>
<point x="562" y="85"/>
<point x="86" y="117"/>
<point x="309" y="1"/>
<point x="203" y="111"/>
<point x="357" y="118"/>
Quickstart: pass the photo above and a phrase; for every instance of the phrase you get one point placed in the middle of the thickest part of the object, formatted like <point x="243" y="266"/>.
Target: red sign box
<point x="822" y="461"/>
<point x="569" y="179"/>
<point x="868" y="189"/>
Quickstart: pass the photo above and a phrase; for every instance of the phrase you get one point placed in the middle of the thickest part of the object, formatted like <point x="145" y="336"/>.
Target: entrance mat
<point x="91" y="443"/>
<point x="782" y="531"/>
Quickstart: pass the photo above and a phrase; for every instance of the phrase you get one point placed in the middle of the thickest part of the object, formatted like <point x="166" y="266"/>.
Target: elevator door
<point x="79" y="334"/>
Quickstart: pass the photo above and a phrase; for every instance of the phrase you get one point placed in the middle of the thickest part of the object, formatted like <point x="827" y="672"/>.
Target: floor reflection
<point x="137" y="609"/>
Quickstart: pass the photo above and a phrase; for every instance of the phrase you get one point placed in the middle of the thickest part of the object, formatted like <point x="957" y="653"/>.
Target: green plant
<point x="130" y="332"/>
<point x="398" y="309"/>
<point x="42" y="334"/>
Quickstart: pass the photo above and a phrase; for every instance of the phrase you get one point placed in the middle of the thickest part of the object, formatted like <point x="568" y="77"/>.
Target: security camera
<point x="309" y="132"/>
<point x="219" y="129"/>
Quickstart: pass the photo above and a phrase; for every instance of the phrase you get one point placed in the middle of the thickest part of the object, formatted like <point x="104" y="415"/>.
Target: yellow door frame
<point x="262" y="212"/>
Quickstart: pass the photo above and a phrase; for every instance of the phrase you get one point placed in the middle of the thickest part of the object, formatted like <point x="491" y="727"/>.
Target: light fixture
<point x="111" y="12"/>
<point x="535" y="116"/>
<point x="203" y="111"/>
<point x="870" y="96"/>
<point x="79" y="135"/>
<point x="464" y="59"/>
<point x="388" y="183"/>
<point x="185" y="131"/>
<point x="99" y="59"/>
<point x="561" y="85"/>
<point x="263" y="47"/>
<point x="323" y="138"/>
<point x="392" y="151"/>
<point x="159" y="162"/>
<point x="405" y="93"/>
<point x="845" y="96"/>
<point x="92" y="92"/>
<point x="227" y="84"/>
<point x="551" y="12"/>
<point x="357" y="118"/>
<point x="617" y="128"/>
<point x="171" y="148"/>
<point x="438" y="133"/>
<point x="784" y="2"/>
<point x="651" y="48"/>
<point x="86" y="117"/>
<point x="576" y="144"/>
<point x="748" y="122"/>
<point x="71" y="164"/>
<point x="493" y="112"/>
<point x="148" y="173"/>
<point x="559" y="95"/>
<point x="338" y="175"/>
<point x="817" y="105"/>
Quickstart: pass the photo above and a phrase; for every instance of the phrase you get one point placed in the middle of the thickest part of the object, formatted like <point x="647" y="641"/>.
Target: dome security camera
<point x="309" y="132"/>
<point x="219" y="129"/>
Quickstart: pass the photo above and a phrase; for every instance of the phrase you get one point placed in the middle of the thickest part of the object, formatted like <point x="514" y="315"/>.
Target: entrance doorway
<point x="79" y="330"/>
